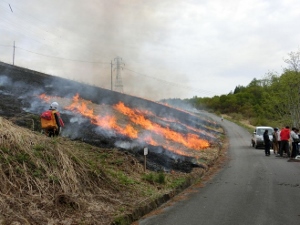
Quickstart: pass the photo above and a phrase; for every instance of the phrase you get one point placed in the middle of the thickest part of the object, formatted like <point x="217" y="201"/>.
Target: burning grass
<point x="58" y="181"/>
<point x="140" y="125"/>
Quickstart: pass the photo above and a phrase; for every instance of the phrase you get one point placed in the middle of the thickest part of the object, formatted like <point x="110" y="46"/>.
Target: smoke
<point x="128" y="145"/>
<point x="72" y="127"/>
<point x="34" y="106"/>
<point x="78" y="119"/>
<point x="168" y="122"/>
<point x="22" y="91"/>
<point x="105" y="132"/>
<point x="5" y="81"/>
<point x="160" y="128"/>
<point x="94" y="34"/>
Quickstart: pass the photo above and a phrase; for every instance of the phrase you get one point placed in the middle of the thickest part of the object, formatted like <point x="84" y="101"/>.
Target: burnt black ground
<point x="19" y="103"/>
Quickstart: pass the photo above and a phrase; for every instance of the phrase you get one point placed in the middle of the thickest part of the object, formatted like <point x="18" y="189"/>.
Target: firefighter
<point x="51" y="121"/>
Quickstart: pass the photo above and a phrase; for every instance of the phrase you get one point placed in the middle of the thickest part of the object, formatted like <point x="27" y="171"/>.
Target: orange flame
<point x="45" y="97"/>
<point x="161" y="136"/>
<point x="190" y="141"/>
<point x="107" y="121"/>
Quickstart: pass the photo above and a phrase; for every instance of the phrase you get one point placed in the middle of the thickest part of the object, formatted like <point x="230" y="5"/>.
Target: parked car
<point x="257" y="139"/>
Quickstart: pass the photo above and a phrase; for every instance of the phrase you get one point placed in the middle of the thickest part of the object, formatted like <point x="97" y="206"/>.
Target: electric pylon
<point x="118" y="83"/>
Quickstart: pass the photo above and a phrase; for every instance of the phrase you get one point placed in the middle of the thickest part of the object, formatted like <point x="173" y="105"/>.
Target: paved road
<point x="252" y="189"/>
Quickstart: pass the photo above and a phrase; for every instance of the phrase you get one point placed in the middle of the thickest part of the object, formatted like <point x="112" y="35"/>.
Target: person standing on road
<point x="295" y="141"/>
<point x="275" y="141"/>
<point x="297" y="151"/>
<point x="267" y="143"/>
<point x="285" y="136"/>
<point x="279" y="141"/>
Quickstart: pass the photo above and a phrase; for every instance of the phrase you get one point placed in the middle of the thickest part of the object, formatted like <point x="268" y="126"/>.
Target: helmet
<point x="54" y="105"/>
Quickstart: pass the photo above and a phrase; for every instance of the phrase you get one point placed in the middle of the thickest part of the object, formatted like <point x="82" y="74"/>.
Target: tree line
<point x="273" y="100"/>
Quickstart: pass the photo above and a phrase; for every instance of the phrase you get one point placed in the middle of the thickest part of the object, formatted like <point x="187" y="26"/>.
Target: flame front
<point x="190" y="140"/>
<point x="107" y="122"/>
<point x="155" y="134"/>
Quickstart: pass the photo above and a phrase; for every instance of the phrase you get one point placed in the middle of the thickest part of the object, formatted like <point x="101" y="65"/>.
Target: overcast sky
<point x="170" y="48"/>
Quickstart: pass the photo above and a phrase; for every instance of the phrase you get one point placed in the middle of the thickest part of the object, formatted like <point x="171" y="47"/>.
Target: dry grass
<point x="58" y="181"/>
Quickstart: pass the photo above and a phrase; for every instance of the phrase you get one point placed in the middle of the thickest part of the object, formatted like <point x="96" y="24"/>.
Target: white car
<point x="257" y="140"/>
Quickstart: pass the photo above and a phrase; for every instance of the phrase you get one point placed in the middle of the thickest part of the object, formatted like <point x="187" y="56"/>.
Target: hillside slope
<point x="59" y="181"/>
<point x="109" y="119"/>
<point x="94" y="173"/>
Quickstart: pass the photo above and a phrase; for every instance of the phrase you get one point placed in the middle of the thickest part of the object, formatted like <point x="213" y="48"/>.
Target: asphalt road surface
<point x="251" y="189"/>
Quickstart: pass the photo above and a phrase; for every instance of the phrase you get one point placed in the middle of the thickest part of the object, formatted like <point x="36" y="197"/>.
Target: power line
<point x="32" y="35"/>
<point x="51" y="56"/>
<point x="120" y="82"/>
<point x="10" y="8"/>
<point x="6" y="45"/>
<point x="32" y="27"/>
<point x="31" y="22"/>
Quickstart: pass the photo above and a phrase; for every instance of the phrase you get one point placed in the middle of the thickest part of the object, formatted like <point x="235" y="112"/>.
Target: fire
<point x="156" y="134"/>
<point x="106" y="121"/>
<point x="189" y="141"/>
<point x="45" y="97"/>
<point x="169" y="120"/>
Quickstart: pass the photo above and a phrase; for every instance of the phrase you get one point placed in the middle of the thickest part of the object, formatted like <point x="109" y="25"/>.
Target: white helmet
<point x="54" y="105"/>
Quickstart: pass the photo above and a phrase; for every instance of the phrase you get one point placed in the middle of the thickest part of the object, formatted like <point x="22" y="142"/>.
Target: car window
<point x="261" y="131"/>
<point x="270" y="131"/>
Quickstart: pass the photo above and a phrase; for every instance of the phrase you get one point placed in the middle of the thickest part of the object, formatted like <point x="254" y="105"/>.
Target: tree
<point x="293" y="61"/>
<point x="290" y="98"/>
<point x="290" y="81"/>
<point x="238" y="89"/>
<point x="275" y="99"/>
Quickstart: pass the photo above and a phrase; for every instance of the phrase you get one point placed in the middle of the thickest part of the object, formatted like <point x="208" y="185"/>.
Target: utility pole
<point x="14" y="50"/>
<point x="118" y="83"/>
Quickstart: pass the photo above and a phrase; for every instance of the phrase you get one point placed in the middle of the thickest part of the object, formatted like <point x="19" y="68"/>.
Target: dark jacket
<point x="266" y="137"/>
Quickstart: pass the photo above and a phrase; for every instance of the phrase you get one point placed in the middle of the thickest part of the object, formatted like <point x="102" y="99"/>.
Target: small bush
<point x="178" y="182"/>
<point x="237" y="116"/>
<point x="259" y="122"/>
<point x="161" y="178"/>
<point x="155" y="177"/>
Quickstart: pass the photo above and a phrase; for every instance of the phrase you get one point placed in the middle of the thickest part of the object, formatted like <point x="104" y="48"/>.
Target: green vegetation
<point x="121" y="177"/>
<point x="273" y="100"/>
<point x="178" y="182"/>
<point x="155" y="178"/>
<point x="247" y="127"/>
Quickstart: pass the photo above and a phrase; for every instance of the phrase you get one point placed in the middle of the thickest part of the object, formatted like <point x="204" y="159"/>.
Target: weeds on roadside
<point x="159" y="178"/>
<point x="177" y="182"/>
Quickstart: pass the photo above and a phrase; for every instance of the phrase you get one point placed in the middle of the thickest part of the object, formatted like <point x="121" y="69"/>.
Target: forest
<point x="273" y="100"/>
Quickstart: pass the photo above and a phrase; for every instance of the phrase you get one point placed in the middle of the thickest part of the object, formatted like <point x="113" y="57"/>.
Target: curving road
<point x="251" y="189"/>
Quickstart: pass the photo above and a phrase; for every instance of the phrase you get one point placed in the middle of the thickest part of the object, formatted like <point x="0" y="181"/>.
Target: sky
<point x="157" y="49"/>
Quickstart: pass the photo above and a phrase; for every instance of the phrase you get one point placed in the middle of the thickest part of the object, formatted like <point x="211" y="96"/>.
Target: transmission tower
<point x="118" y="83"/>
